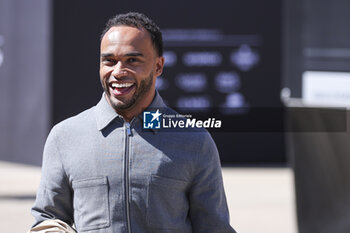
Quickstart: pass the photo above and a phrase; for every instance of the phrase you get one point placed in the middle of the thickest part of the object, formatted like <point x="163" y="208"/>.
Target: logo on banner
<point x="152" y="120"/>
<point x="157" y="120"/>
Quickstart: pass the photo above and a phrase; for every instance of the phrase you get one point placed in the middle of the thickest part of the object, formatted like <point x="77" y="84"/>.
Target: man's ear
<point x="159" y="65"/>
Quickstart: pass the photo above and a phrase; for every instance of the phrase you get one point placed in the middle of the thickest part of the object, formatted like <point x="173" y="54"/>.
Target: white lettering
<point x="199" y="124"/>
<point x="149" y="125"/>
<point x="174" y="123"/>
<point x="168" y="116"/>
<point x="206" y="124"/>
<point x="190" y="122"/>
<point x="164" y="124"/>
<point x="181" y="124"/>
<point x="218" y="124"/>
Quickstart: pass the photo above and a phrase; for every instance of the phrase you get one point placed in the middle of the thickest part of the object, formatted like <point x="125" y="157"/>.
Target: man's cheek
<point x="104" y="84"/>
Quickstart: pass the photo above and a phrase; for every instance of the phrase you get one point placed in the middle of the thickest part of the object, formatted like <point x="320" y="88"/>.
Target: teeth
<point x="121" y="85"/>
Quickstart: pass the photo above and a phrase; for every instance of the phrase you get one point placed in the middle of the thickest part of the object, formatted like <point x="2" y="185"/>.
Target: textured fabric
<point x="103" y="179"/>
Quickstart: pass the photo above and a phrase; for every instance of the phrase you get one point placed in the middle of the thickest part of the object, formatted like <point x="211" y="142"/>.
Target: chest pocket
<point x="167" y="204"/>
<point x="91" y="204"/>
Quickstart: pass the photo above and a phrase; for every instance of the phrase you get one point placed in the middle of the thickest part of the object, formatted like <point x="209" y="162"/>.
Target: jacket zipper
<point x="126" y="176"/>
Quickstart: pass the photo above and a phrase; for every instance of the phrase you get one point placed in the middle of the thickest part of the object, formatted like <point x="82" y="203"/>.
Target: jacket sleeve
<point x="54" y="195"/>
<point x="52" y="226"/>
<point x="208" y="206"/>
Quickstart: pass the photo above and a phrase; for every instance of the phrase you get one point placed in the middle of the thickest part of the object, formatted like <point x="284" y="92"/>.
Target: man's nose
<point x="118" y="70"/>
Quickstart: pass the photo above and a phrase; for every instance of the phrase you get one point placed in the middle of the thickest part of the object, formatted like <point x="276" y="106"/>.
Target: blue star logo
<point x="152" y="119"/>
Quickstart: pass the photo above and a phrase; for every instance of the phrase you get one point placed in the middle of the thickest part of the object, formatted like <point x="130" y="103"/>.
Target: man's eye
<point x="131" y="60"/>
<point x="108" y="61"/>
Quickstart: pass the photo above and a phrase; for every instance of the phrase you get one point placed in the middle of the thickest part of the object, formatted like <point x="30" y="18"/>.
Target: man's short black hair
<point x="138" y="20"/>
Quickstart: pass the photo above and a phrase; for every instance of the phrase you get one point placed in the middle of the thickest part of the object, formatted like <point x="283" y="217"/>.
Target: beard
<point x="141" y="90"/>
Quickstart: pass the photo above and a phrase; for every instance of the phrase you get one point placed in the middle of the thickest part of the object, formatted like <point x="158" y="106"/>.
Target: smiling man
<point x="128" y="69"/>
<point x="103" y="172"/>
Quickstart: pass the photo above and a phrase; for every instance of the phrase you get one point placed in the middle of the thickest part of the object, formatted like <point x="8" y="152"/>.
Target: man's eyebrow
<point x="107" y="55"/>
<point x="134" y="54"/>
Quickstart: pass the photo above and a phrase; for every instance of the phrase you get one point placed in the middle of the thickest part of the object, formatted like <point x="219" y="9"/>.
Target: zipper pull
<point x="128" y="130"/>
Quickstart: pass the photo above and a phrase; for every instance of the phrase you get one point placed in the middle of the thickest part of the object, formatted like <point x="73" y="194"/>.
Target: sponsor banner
<point x="260" y="120"/>
<point x="157" y="120"/>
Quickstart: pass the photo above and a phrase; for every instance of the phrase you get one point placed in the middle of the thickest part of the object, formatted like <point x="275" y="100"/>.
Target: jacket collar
<point x="105" y="113"/>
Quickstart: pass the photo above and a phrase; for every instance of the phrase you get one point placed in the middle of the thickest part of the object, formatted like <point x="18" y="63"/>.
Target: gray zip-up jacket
<point x="108" y="176"/>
